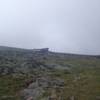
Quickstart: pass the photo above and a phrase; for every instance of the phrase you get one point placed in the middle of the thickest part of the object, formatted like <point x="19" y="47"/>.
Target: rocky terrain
<point x="39" y="74"/>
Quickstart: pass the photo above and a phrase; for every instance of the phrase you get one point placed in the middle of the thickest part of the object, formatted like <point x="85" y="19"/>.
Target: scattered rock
<point x="36" y="88"/>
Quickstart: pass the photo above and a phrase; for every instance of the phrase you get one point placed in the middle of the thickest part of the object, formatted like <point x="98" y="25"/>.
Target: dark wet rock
<point x="34" y="93"/>
<point x="36" y="88"/>
<point x="4" y="70"/>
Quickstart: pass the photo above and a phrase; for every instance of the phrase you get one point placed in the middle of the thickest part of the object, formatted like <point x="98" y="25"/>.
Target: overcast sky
<point x="71" y="26"/>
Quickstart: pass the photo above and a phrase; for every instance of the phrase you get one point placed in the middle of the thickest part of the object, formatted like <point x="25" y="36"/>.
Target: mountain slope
<point x="44" y="75"/>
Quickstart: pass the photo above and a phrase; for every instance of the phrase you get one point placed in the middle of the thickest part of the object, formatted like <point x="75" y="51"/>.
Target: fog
<point x="71" y="26"/>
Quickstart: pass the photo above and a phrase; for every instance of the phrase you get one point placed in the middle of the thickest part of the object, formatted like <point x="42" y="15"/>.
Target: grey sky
<point x="62" y="25"/>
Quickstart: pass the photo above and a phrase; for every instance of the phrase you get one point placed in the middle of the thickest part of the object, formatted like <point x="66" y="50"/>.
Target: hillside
<point x="40" y="74"/>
